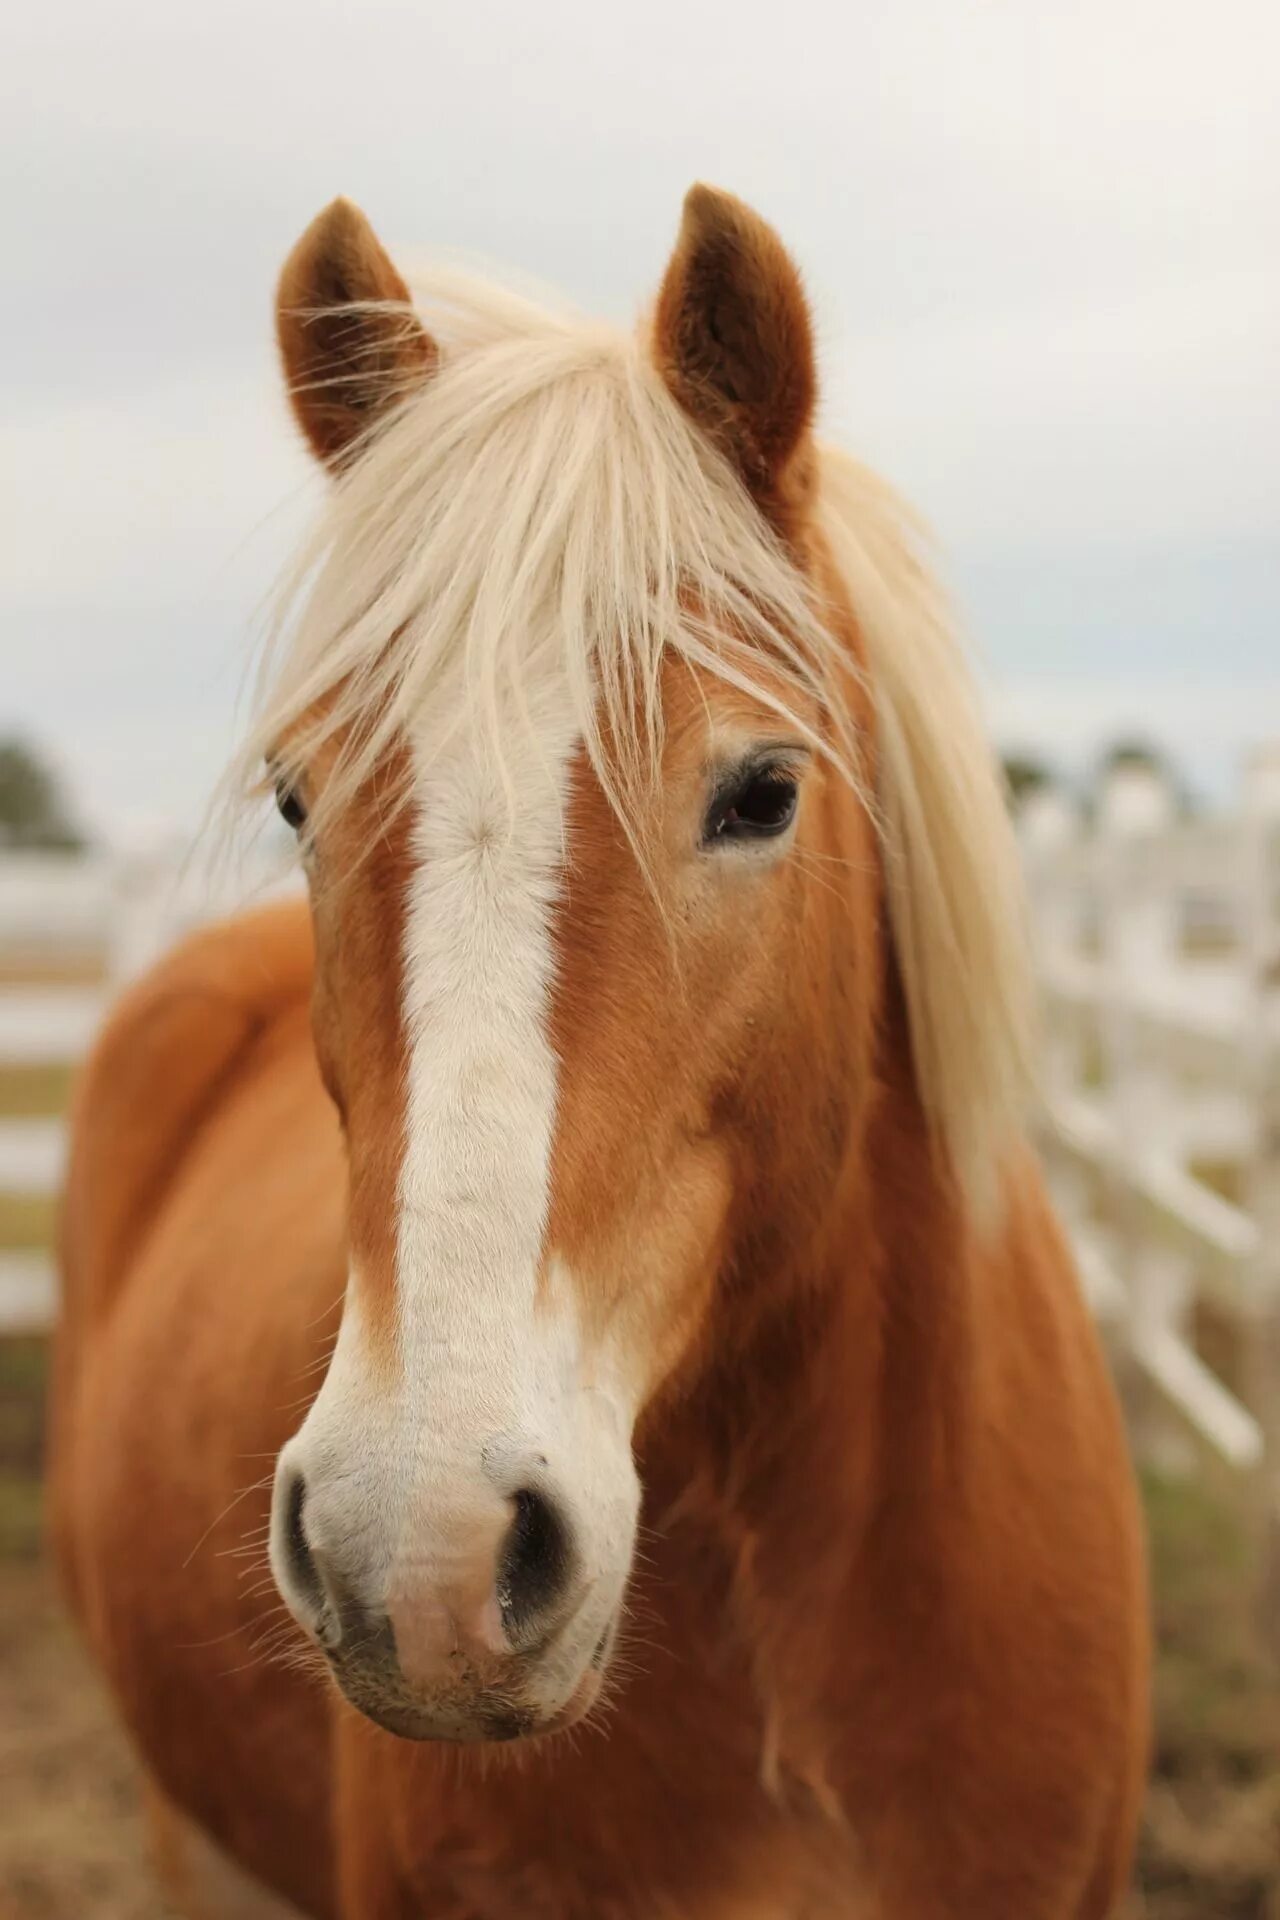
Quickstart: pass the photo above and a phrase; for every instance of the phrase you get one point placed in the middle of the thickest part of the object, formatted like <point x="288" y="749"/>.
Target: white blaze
<point x="495" y="1388"/>
<point x="481" y="1095"/>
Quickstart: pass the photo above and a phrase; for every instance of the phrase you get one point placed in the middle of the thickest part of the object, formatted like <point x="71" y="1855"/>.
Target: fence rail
<point x="1159" y="951"/>
<point x="73" y="928"/>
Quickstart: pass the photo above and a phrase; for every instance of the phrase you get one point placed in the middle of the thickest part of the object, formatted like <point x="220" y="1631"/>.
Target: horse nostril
<point x="535" y="1561"/>
<point x="297" y="1552"/>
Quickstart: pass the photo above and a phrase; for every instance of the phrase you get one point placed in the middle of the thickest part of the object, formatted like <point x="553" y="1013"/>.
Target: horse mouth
<point x="464" y="1716"/>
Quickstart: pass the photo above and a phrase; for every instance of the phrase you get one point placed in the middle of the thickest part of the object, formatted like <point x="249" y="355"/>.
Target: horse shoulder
<point x="166" y="1058"/>
<point x="1064" y="1528"/>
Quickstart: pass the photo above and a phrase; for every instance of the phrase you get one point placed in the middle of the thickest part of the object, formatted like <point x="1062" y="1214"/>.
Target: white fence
<point x="1159" y="944"/>
<point x="1160" y="955"/>
<point x="72" y="930"/>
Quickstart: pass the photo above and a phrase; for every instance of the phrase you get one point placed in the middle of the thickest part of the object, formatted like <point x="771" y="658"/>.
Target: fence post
<point x="1260" y="1074"/>
<point x="1048" y="823"/>
<point x="1140" y="930"/>
<point x="1048" y="828"/>
<point x="145" y="906"/>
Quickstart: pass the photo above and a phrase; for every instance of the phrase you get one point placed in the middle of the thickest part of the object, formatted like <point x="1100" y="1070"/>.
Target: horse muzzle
<point x="486" y="1623"/>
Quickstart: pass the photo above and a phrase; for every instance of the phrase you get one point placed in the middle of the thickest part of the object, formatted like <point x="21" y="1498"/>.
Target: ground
<point x="72" y="1840"/>
<point x="72" y="1843"/>
<point x="1211" y="1837"/>
<point x="72" y="1836"/>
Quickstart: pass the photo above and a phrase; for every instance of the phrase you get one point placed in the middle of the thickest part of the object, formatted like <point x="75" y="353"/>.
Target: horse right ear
<point x="351" y="344"/>
<point x="733" y="341"/>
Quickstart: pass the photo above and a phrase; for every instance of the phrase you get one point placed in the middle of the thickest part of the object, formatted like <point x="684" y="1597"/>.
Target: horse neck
<point x="832" y="1435"/>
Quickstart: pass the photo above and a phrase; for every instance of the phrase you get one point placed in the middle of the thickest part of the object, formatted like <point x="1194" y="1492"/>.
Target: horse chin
<point x="474" y="1719"/>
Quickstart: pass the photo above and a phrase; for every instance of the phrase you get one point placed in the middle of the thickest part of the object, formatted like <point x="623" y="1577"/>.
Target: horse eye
<point x="292" y="810"/>
<point x="758" y="807"/>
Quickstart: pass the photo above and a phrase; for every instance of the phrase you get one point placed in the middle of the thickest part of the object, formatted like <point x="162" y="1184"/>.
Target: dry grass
<point x="58" y="966"/>
<point x="34" y="1091"/>
<point x="1211" y="1838"/>
<point x="72" y="1833"/>
<point x="31" y="1091"/>
<point x="27" y="1222"/>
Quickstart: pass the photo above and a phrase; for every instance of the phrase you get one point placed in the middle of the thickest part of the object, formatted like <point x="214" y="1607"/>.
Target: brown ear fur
<point x="346" y="360"/>
<point x="734" y="343"/>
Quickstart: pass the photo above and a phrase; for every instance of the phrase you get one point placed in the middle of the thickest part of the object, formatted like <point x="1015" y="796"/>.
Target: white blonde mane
<point x="543" y="491"/>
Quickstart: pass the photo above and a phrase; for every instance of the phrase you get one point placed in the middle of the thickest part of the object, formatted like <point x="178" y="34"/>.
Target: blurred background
<point x="1041" y="244"/>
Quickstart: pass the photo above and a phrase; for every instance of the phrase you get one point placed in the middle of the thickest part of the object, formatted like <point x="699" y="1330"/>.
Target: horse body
<point x="648" y="1210"/>
<point x="830" y="1697"/>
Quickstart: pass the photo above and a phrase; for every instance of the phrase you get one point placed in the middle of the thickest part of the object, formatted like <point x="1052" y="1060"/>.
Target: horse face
<point x="556" y="1050"/>
<point x="454" y="1522"/>
<point x="554" y="1031"/>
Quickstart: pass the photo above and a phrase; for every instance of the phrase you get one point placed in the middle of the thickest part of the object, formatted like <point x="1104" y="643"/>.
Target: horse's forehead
<point x="504" y="829"/>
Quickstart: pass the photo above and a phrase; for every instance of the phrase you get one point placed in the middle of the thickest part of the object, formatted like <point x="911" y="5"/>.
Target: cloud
<point x="1141" y="414"/>
<point x="143" y="501"/>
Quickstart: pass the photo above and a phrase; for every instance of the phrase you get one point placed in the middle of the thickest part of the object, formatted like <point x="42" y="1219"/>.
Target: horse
<point x="571" y="1400"/>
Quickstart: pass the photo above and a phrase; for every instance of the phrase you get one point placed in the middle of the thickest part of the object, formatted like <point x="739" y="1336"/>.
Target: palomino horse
<point x="713" y="1412"/>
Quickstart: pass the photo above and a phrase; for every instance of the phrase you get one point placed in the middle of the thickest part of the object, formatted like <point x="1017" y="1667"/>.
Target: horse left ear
<point x="733" y="340"/>
<point x="349" y="338"/>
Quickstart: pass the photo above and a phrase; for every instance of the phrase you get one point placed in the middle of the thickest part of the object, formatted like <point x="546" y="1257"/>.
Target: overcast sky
<point x="1041" y="238"/>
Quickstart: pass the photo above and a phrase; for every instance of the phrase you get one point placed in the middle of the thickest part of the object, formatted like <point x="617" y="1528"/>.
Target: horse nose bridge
<point x="446" y="1538"/>
<point x="499" y="1567"/>
<point x="442" y="1603"/>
